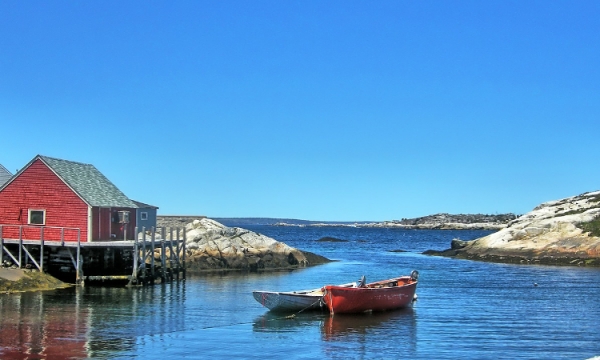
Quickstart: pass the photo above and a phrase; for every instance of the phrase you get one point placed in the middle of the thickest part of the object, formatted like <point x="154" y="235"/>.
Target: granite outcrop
<point x="211" y="245"/>
<point x="560" y="232"/>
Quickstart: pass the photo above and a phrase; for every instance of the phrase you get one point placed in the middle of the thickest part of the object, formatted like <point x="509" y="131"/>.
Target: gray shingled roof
<point x="142" y="205"/>
<point x="5" y="175"/>
<point x="89" y="183"/>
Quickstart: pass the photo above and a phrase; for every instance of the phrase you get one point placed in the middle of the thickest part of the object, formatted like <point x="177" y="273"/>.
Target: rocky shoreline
<point x="21" y="280"/>
<point x="212" y="246"/>
<point x="560" y="232"/>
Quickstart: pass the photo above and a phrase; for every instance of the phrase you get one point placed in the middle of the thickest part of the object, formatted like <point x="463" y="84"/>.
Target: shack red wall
<point x="37" y="187"/>
<point x="101" y="222"/>
<point x="106" y="227"/>
<point x="122" y="230"/>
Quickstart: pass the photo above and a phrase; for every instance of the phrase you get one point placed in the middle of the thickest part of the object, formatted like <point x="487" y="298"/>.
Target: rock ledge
<point x="561" y="232"/>
<point x="213" y="246"/>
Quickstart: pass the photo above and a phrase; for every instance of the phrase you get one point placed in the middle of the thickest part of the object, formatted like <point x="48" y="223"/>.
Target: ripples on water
<point x="465" y="309"/>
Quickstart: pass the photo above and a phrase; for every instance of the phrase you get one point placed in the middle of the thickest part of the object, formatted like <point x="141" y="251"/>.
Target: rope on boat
<point x="294" y="315"/>
<point x="287" y="317"/>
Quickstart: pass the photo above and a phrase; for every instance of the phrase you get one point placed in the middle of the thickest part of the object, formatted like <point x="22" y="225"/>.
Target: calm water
<point x="466" y="310"/>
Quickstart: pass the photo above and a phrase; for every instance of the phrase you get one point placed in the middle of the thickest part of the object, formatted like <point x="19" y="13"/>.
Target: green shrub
<point x="593" y="227"/>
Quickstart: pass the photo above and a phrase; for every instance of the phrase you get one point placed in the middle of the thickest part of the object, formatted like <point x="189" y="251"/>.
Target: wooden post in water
<point x="163" y="263"/>
<point x="171" y="253"/>
<point x="143" y="265"/>
<point x="177" y="254"/>
<point x="42" y="250"/>
<point x="20" y="244"/>
<point x="183" y="256"/>
<point x="1" y="247"/>
<point x="152" y="238"/>
<point x="78" y="271"/>
<point x="136" y="254"/>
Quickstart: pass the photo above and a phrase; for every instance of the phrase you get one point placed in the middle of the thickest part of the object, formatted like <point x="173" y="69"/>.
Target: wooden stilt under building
<point x="131" y="261"/>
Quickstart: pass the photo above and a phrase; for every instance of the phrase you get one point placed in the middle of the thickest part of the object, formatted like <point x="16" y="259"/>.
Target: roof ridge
<point x="5" y="169"/>
<point x="88" y="182"/>
<point x="57" y="159"/>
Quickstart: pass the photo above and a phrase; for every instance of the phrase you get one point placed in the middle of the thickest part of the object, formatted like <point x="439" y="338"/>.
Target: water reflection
<point x="345" y="327"/>
<point x="374" y="335"/>
<point x="86" y="322"/>
<point x="277" y="322"/>
<point x="35" y="327"/>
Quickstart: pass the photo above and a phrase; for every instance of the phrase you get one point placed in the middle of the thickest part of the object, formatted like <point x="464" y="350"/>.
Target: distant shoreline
<point x="436" y="222"/>
<point x="391" y="225"/>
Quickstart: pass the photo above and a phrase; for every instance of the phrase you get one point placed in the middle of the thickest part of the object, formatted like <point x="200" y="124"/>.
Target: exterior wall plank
<point x="37" y="187"/>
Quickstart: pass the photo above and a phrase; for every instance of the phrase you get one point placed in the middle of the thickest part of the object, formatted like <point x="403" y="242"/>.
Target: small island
<point x="441" y="221"/>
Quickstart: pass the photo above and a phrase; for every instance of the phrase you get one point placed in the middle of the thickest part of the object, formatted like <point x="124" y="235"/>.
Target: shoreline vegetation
<point x="22" y="280"/>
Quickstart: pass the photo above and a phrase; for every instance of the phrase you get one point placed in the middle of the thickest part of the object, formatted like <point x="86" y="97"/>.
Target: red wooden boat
<point x="378" y="296"/>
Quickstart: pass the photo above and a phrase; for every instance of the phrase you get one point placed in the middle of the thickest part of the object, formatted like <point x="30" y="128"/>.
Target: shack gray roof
<point x="89" y="183"/>
<point x="142" y="205"/>
<point x="5" y="175"/>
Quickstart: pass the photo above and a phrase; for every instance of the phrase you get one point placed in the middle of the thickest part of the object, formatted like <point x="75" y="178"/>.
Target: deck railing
<point x="25" y="234"/>
<point x="28" y="237"/>
<point x="40" y="233"/>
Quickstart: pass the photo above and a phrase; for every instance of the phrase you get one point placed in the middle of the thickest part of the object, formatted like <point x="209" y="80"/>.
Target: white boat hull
<point x="291" y="301"/>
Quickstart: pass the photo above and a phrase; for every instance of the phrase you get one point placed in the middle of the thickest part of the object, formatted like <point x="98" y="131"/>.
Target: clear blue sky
<point x="318" y="110"/>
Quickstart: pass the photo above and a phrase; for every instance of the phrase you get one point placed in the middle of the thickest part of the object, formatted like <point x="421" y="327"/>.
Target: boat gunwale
<point x="378" y="292"/>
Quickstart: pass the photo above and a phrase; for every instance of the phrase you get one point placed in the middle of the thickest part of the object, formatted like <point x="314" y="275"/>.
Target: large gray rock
<point x="212" y="245"/>
<point x="555" y="232"/>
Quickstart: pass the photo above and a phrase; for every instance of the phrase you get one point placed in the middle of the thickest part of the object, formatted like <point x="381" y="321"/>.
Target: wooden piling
<point x="183" y="256"/>
<point x="135" y="254"/>
<point x="143" y="265"/>
<point x="20" y="246"/>
<point x="41" y="267"/>
<point x="1" y="247"/>
<point x="163" y="262"/>
<point x="177" y="254"/>
<point x="79" y="267"/>
<point x="152" y="243"/>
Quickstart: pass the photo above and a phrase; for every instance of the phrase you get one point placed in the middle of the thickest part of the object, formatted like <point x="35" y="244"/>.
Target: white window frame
<point x="144" y="215"/>
<point x="30" y="211"/>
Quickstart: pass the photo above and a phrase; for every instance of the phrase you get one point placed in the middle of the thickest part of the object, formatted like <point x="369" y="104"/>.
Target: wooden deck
<point x="145" y="268"/>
